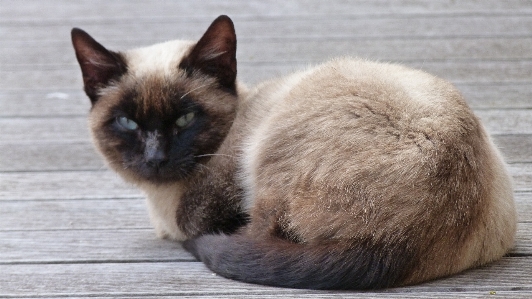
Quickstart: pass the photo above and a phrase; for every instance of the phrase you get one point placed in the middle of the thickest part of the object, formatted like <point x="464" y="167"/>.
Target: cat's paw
<point x="161" y="233"/>
<point x="169" y="234"/>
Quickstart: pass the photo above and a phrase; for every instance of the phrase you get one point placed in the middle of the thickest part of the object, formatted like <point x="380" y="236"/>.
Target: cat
<point x="347" y="175"/>
<point x="158" y="116"/>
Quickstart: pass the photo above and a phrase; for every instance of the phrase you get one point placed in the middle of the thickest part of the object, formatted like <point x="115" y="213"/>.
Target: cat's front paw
<point x="169" y="234"/>
<point x="161" y="233"/>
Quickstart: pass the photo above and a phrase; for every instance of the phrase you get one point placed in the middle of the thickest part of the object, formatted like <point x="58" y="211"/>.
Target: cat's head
<point x="159" y="111"/>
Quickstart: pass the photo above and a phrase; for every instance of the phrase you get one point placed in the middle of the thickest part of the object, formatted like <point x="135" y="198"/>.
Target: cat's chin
<point x="161" y="176"/>
<point x="157" y="176"/>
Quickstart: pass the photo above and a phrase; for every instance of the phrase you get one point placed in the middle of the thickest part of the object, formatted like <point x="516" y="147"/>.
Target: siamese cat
<point x="348" y="175"/>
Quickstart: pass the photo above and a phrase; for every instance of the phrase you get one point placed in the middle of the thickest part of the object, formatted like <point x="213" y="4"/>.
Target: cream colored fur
<point x="419" y="114"/>
<point x="159" y="59"/>
<point x="162" y="201"/>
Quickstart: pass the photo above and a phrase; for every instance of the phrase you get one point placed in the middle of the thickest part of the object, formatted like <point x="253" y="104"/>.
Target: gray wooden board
<point x="27" y="55"/>
<point x="84" y="214"/>
<point x="73" y="102"/>
<point x="84" y="246"/>
<point x="106" y="184"/>
<point x="521" y="173"/>
<point x="51" y="156"/>
<point x="112" y="213"/>
<point x="75" y="128"/>
<point x="124" y="245"/>
<point x="80" y="155"/>
<point x="56" y="11"/>
<point x="523" y="202"/>
<point x="46" y="103"/>
<point x="108" y="213"/>
<point x="188" y="278"/>
<point x="55" y="156"/>
<point x="341" y="26"/>
<point x="461" y="72"/>
<point x="70" y="228"/>
<point x="64" y="185"/>
<point x="106" y="11"/>
<point x="525" y="294"/>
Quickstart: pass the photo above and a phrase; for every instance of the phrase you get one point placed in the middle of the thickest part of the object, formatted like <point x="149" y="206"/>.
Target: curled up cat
<point x="348" y="175"/>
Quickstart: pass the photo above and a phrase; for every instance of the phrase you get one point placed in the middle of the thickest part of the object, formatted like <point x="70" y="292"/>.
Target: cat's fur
<point x="154" y="86"/>
<point x="354" y="174"/>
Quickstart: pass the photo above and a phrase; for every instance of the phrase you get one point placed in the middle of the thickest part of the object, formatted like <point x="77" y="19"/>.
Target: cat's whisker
<point x="204" y="166"/>
<point x="211" y="155"/>
<point x="194" y="89"/>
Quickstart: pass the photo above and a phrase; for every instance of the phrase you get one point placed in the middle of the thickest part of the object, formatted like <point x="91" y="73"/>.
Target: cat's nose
<point x="156" y="159"/>
<point x="156" y="163"/>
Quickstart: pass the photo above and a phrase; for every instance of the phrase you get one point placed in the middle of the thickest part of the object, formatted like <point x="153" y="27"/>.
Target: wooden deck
<point x="71" y="228"/>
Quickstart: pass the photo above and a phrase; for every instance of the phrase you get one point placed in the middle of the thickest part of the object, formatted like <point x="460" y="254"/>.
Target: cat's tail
<point x="281" y="263"/>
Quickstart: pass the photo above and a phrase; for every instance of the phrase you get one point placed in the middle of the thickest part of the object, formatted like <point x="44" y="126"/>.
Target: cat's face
<point x="158" y="113"/>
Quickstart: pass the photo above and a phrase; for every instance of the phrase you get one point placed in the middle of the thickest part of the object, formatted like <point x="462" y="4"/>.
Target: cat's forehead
<point x="163" y="58"/>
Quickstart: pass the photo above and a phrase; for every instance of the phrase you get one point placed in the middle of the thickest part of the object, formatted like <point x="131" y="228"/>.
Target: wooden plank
<point x="487" y="72"/>
<point x="499" y="122"/>
<point x="104" y="10"/>
<point x="523" y="241"/>
<point x="80" y="155"/>
<point x="73" y="102"/>
<point x="345" y="294"/>
<point x="515" y="148"/>
<point x="490" y="96"/>
<point x="106" y="184"/>
<point x="68" y="102"/>
<point x="49" y="156"/>
<point x="36" y="11"/>
<point x="58" y="214"/>
<point x="27" y="55"/>
<point x="521" y="173"/>
<point x="341" y="26"/>
<point x="192" y="278"/>
<point x="125" y="245"/>
<point x="75" y="129"/>
<point x="64" y="185"/>
<point x="507" y="274"/>
<point x="84" y="246"/>
<point x="523" y="203"/>
<point x="525" y="294"/>
<point x="86" y="214"/>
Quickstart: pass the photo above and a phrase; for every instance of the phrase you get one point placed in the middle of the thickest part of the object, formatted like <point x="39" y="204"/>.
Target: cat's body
<point x="354" y="174"/>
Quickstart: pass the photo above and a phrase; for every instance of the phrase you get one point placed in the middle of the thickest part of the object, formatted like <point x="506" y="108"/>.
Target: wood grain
<point x="64" y="185"/>
<point x="57" y="11"/>
<point x="55" y="155"/>
<point x="74" y="214"/>
<point x="87" y="246"/>
<point x="75" y="128"/>
<point x="73" y="102"/>
<point x="192" y="278"/>
<point x="114" y="213"/>
<point x="60" y="55"/>
<point x="487" y="72"/>
<point x="71" y="228"/>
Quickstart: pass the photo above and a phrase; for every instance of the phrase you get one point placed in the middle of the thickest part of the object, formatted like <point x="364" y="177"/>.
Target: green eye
<point x="184" y="120"/>
<point x="127" y="123"/>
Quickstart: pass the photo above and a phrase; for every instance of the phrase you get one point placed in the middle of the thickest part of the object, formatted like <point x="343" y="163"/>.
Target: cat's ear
<point x="215" y="53"/>
<point x="98" y="65"/>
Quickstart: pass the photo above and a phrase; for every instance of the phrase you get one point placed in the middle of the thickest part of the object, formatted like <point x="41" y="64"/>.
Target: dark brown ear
<point x="215" y="53"/>
<point x="98" y="65"/>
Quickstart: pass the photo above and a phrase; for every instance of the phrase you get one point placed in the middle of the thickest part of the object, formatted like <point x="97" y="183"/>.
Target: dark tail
<point x="277" y="262"/>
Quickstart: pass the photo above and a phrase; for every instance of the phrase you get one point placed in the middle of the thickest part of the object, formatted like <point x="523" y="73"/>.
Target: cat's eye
<point x="184" y="120"/>
<point x="127" y="123"/>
